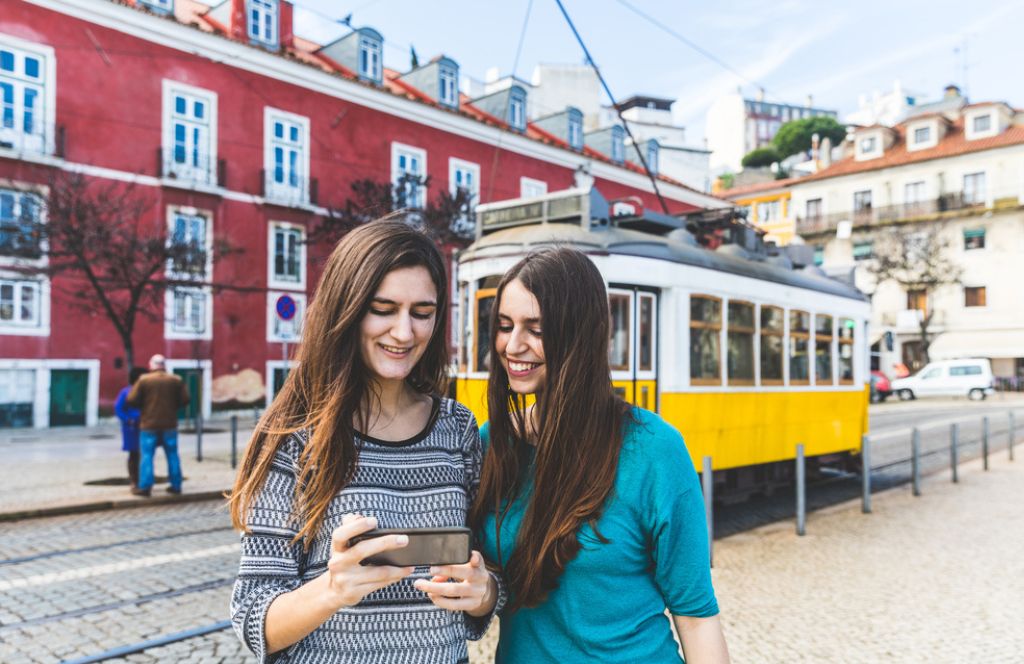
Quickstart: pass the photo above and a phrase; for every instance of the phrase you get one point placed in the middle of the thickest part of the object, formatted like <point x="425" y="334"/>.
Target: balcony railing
<point x="37" y="142"/>
<point x="191" y="167"/>
<point x="293" y="191"/>
<point x="886" y="214"/>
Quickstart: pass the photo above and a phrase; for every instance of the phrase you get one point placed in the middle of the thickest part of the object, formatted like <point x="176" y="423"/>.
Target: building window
<point x="799" y="341"/>
<point x="464" y="176"/>
<point x="974" y="238"/>
<point x="974" y="189"/>
<point x="24" y="112"/>
<point x="287" y="256"/>
<point x="190" y="121"/>
<point x="369" y="59"/>
<point x="922" y="135"/>
<point x="868" y="145"/>
<point x="917" y="300"/>
<point x="823" y="350"/>
<point x="862" y="203"/>
<point x="263" y="21"/>
<point x="768" y="212"/>
<point x="448" y="86"/>
<point x="974" y="296"/>
<point x="862" y="250"/>
<point x="740" y="342"/>
<point x="408" y="173"/>
<point x="621" y="305"/>
<point x="20" y="224"/>
<point x="819" y="255"/>
<point x="981" y="124"/>
<point x="530" y="188"/>
<point x="705" y="340"/>
<point x="286" y="157"/>
<point x="652" y="157"/>
<point x="17" y="398"/>
<point x="772" y="348"/>
<point x="20" y="303"/>
<point x="645" y="347"/>
<point x="190" y="242"/>
<point x="814" y="208"/>
<point x="162" y="5"/>
<point x="575" y="130"/>
<point x="847" y="326"/>
<point x="517" y="109"/>
<point x="618" y="144"/>
<point x="189" y="311"/>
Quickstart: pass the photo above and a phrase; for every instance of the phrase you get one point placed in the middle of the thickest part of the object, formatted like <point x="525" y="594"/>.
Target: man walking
<point x="158" y="395"/>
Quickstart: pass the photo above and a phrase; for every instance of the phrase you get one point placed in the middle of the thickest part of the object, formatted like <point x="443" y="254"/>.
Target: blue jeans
<point x="148" y="440"/>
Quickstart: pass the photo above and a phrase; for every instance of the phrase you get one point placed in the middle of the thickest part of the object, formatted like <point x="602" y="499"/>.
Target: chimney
<point x="810" y="101"/>
<point x="825" y="153"/>
<point x="952" y="91"/>
<point x="287" y="34"/>
<point x="760" y="94"/>
<point x="815" y="140"/>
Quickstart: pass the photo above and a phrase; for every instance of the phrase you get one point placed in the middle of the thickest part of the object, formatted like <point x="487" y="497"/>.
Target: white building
<point x="736" y="125"/>
<point x="650" y="120"/>
<point x="964" y="169"/>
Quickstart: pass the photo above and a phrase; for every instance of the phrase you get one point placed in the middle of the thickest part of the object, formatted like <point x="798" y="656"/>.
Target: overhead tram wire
<point x="615" y="105"/>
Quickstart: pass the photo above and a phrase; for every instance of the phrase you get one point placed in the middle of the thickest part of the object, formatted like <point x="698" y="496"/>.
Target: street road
<point x="76" y="586"/>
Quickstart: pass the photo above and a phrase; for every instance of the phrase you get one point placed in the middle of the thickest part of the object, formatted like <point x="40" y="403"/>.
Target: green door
<point x="193" y="381"/>
<point x="68" y="389"/>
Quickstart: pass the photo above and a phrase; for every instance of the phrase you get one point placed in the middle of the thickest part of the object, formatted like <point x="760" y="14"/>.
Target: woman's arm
<point x="702" y="639"/>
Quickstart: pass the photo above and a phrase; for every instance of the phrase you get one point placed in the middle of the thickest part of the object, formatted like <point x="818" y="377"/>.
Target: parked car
<point x="880" y="387"/>
<point x="949" y="378"/>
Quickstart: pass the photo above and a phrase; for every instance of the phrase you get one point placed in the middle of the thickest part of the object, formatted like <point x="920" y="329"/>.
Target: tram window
<point x="484" y="303"/>
<point x="771" y="345"/>
<point x="618" y="348"/>
<point x="846" y="327"/>
<point x="799" y="339"/>
<point x="465" y="328"/>
<point x="740" y="355"/>
<point x="646" y="334"/>
<point x="823" y="350"/>
<point x="705" y="334"/>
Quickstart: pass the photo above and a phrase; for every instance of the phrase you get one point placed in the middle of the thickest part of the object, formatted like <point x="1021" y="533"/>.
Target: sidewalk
<point x="45" y="471"/>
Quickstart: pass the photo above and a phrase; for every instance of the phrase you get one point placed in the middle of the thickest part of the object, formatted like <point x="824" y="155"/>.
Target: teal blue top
<point x="610" y="602"/>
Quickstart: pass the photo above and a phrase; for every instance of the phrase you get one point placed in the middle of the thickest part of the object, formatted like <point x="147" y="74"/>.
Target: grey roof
<point x="611" y="240"/>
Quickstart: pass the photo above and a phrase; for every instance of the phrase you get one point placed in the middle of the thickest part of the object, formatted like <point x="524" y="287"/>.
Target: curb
<point x="125" y="503"/>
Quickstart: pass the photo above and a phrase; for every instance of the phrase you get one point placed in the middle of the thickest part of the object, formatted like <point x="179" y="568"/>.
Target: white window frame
<point x="653" y="152"/>
<point x="42" y="380"/>
<point x="574" y="131"/>
<point x="454" y="167"/>
<point x="19" y="190"/>
<point x="279" y="331"/>
<point x="448" y="94"/>
<point x="40" y="325"/>
<point x="532" y="188"/>
<point x="206" y="369"/>
<point x="273" y="279"/>
<point x="618" y="146"/>
<point x="284" y="192"/>
<point x="979" y="197"/>
<point x="189" y="173"/>
<point x="173" y="331"/>
<point x="44" y="140"/>
<point x="267" y="20"/>
<point x="271" y="366"/>
<point x="374" y="58"/>
<point x="399" y="150"/>
<point x="920" y="186"/>
<point x="875" y="149"/>
<point x="172" y="212"/>
<point x="971" y="118"/>
<point x="517" y="111"/>
<point x="932" y="140"/>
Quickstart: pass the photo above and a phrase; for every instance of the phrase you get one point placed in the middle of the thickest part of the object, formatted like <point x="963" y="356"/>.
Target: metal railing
<point x="35" y="142"/>
<point x="886" y="214"/>
<point x="191" y="167"/>
<point x="293" y="191"/>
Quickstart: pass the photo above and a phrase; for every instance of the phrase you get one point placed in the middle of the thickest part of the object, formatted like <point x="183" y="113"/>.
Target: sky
<point x="835" y="51"/>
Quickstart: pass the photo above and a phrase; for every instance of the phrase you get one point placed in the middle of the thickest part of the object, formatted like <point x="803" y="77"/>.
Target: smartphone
<point x="427" y="546"/>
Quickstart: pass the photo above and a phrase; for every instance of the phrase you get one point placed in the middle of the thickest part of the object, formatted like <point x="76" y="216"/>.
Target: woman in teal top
<point x="591" y="508"/>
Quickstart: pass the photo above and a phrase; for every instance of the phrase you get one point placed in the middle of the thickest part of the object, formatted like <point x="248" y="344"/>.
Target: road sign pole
<point x="865" y="474"/>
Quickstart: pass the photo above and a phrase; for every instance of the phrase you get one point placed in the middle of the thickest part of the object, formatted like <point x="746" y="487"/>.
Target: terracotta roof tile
<point x="755" y="188"/>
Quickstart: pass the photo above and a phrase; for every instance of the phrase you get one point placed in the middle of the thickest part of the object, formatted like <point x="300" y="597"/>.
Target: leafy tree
<point x="795" y="136"/>
<point x="916" y="259"/>
<point x="761" y="157"/>
<point x="109" y="253"/>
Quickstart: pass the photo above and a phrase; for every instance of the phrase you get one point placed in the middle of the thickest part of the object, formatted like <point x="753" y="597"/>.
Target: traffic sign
<point x="286" y="307"/>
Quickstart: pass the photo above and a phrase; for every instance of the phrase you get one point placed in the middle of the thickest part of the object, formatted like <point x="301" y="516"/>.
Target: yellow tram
<point x="748" y="350"/>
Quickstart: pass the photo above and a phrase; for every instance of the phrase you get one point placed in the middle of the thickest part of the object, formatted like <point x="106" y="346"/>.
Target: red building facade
<point x="239" y="130"/>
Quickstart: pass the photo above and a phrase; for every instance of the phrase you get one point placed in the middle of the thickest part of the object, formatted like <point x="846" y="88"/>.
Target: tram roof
<point x="613" y="240"/>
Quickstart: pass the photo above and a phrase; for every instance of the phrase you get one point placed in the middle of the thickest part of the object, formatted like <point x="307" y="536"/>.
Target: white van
<point x="949" y="378"/>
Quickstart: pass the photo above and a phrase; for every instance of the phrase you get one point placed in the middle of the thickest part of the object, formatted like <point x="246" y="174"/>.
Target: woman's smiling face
<point x="398" y="324"/>
<point x="518" y="341"/>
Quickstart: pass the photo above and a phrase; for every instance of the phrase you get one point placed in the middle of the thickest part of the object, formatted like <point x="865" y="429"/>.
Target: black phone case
<point x="427" y="546"/>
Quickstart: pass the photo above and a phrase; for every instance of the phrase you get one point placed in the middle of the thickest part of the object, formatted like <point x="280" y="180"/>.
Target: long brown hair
<point x="326" y="393"/>
<point x="578" y="419"/>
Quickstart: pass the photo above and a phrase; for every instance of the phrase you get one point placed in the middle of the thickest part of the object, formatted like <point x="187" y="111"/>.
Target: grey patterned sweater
<point x="426" y="481"/>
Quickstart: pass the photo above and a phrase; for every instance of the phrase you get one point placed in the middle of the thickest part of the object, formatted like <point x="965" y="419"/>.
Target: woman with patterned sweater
<point x="358" y="439"/>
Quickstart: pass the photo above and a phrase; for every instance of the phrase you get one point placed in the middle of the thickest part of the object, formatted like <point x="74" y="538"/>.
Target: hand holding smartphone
<point x="427" y="546"/>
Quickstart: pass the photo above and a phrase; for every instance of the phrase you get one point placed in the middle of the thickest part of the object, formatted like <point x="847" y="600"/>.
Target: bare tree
<point x="917" y="259"/>
<point x="111" y="253"/>
<point x="447" y="219"/>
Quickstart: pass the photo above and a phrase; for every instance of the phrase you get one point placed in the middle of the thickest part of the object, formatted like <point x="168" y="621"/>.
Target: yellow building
<point x="768" y="207"/>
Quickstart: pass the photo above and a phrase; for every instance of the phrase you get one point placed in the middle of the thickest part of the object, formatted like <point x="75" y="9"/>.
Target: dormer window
<point x="370" y="58"/>
<point x="263" y="21"/>
<point x="868" y="144"/>
<point x="575" y="130"/>
<point x="922" y="135"/>
<point x="618" y="145"/>
<point x="448" y="86"/>
<point x="871" y="143"/>
<point x="652" y="157"/>
<point x="517" y="109"/>
<point x="981" y="123"/>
